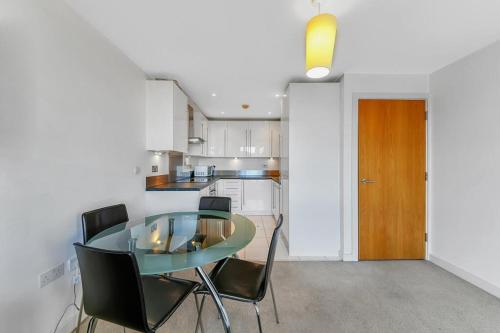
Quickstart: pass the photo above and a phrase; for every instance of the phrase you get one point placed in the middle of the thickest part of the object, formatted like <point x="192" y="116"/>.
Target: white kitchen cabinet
<point x="232" y="188"/>
<point x="216" y="138"/>
<point x="275" y="136"/>
<point x="258" y="139"/>
<point x="275" y="202"/>
<point x="219" y="187"/>
<point x="167" y="118"/>
<point x="205" y="192"/>
<point x="256" y="196"/>
<point x="237" y="139"/>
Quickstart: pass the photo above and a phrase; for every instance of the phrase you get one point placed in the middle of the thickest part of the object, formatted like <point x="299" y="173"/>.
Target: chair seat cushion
<point x="163" y="296"/>
<point x="239" y="279"/>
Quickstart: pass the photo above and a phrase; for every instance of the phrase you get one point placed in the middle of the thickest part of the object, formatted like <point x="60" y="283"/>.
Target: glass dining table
<point x="178" y="241"/>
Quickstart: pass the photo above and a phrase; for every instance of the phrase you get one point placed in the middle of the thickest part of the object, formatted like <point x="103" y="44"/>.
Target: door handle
<point x="367" y="181"/>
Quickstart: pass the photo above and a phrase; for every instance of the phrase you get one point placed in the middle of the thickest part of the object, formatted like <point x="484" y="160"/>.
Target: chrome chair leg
<point x="79" y="323"/>
<point x="258" y="317"/>
<point x="216" y="298"/>
<point x="199" y="321"/>
<point x="218" y="314"/>
<point x="92" y="325"/>
<point x="274" y="302"/>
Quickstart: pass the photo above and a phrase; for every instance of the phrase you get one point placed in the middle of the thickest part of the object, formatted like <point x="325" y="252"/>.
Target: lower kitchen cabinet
<point x="232" y="188"/>
<point x="205" y="192"/>
<point x="276" y="202"/>
<point x="219" y="187"/>
<point x="256" y="197"/>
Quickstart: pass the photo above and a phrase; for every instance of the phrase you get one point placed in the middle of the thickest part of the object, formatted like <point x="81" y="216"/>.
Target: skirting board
<point x="349" y="257"/>
<point x="256" y="213"/>
<point x="69" y="324"/>
<point x="467" y="276"/>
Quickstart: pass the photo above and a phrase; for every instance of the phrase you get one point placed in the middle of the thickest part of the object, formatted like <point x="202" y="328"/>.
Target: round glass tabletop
<point x="176" y="241"/>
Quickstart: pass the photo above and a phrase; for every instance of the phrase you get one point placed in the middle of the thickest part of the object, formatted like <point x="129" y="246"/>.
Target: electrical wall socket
<point x="72" y="264"/>
<point x="51" y="275"/>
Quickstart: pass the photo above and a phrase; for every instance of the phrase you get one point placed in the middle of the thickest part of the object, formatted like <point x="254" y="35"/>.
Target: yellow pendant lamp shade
<point x="320" y="42"/>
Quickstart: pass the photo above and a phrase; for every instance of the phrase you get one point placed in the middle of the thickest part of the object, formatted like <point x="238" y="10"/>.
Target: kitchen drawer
<point x="232" y="183"/>
<point x="232" y="191"/>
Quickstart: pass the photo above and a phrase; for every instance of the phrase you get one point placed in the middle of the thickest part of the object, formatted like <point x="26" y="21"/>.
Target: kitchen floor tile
<point x="268" y="220"/>
<point x="260" y="233"/>
<point x="259" y="242"/>
<point x="256" y="253"/>
<point x="257" y="219"/>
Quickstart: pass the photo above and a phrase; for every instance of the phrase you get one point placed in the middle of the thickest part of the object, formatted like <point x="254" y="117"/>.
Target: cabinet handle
<point x="243" y="191"/>
<point x="225" y="139"/>
<point x="249" y="146"/>
<point x="279" y="145"/>
<point x="272" y="195"/>
<point x="271" y="143"/>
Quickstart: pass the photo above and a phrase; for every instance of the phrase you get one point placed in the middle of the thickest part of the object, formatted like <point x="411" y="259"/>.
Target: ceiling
<point x="247" y="51"/>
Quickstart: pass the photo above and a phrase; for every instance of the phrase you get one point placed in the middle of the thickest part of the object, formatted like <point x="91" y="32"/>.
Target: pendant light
<point x="320" y="42"/>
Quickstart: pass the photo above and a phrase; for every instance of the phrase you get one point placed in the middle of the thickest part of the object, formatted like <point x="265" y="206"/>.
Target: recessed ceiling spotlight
<point x="269" y="113"/>
<point x="222" y="112"/>
<point x="214" y="94"/>
<point x="277" y="95"/>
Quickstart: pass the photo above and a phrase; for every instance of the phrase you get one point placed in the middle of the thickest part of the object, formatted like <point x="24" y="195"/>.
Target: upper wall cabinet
<point x="275" y="133"/>
<point x="259" y="139"/>
<point x="167" y="118"/>
<point x="237" y="139"/>
<point x="248" y="139"/>
<point x="216" y="146"/>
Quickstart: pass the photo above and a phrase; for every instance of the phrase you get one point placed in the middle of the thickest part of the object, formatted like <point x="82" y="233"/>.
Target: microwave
<point x="204" y="171"/>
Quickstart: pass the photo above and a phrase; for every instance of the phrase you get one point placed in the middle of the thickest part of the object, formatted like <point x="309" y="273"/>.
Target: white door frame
<point x="354" y="166"/>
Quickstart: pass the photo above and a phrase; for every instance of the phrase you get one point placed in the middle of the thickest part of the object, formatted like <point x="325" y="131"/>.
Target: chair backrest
<point x="112" y="287"/>
<point x="222" y="204"/>
<point x="271" y="254"/>
<point x="95" y="221"/>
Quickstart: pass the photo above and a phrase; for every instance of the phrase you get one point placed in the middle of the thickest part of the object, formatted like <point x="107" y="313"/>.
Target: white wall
<point x="236" y="164"/>
<point x="314" y="175"/>
<point x="72" y="130"/>
<point x="465" y="118"/>
<point x="355" y="86"/>
<point x="161" y="161"/>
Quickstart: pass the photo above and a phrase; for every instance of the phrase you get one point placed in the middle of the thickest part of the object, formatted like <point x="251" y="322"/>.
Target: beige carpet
<point x="392" y="296"/>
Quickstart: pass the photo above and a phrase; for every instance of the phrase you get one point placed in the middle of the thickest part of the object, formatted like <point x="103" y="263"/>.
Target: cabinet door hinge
<point x="426" y="237"/>
<point x="426" y="176"/>
<point x="426" y="115"/>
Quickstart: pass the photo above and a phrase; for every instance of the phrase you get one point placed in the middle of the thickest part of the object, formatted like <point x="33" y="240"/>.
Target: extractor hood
<point x="195" y="139"/>
<point x="194" y="121"/>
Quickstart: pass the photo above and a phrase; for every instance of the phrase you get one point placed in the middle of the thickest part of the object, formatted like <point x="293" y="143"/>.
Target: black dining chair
<point x="244" y="281"/>
<point x="95" y="221"/>
<point x="114" y="290"/>
<point x="222" y="204"/>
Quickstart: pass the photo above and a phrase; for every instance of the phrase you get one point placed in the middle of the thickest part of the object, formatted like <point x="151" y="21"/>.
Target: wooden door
<point x="392" y="171"/>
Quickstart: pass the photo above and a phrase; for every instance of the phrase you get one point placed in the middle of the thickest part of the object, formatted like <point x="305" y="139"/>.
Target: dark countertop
<point x="193" y="186"/>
